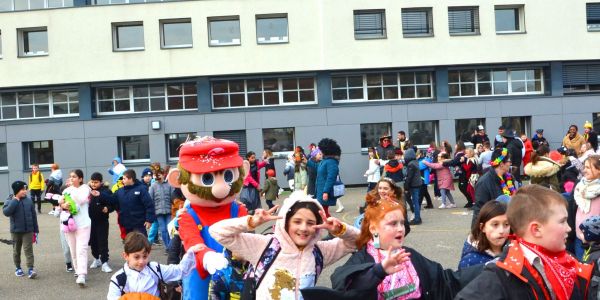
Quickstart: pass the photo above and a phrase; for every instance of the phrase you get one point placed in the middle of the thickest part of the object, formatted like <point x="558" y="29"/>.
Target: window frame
<point x="188" y="136"/>
<point x="30" y="146"/>
<point x="115" y="36"/>
<point x="280" y="154"/>
<point x="478" y="121"/>
<point x="475" y="21"/>
<point x="520" y="9"/>
<point x="399" y="85"/>
<point x="50" y="104"/>
<point x="367" y="36"/>
<point x="162" y="23"/>
<point x="283" y="40"/>
<point x="387" y="131"/>
<point x="526" y="122"/>
<point x="509" y="81"/>
<point x="21" y="41"/>
<point x="595" y="25"/>
<point x="121" y="149"/>
<point x="436" y="133"/>
<point x="221" y="19"/>
<point x="429" y="20"/>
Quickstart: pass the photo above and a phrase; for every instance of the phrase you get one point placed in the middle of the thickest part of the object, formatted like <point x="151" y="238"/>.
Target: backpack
<point x="162" y="285"/>
<point x="254" y="276"/>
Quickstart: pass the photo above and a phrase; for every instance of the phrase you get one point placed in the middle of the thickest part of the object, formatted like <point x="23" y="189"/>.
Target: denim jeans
<point x="163" y="220"/>
<point x="414" y="193"/>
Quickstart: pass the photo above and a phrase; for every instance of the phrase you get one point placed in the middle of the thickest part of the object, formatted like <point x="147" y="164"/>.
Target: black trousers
<point x="36" y="197"/>
<point x="425" y="193"/>
<point x="99" y="240"/>
<point x="462" y="186"/>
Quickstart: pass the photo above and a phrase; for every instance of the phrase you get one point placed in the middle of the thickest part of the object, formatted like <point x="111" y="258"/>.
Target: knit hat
<point x="591" y="229"/>
<point x="146" y="171"/>
<point x="96" y="176"/>
<point x="17" y="186"/>
<point x="587" y="124"/>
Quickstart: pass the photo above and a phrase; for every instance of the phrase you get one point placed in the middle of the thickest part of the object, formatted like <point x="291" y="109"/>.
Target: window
<point x="238" y="136"/>
<point x="128" y="36"/>
<point x="263" y="92"/>
<point x="593" y="16"/>
<point x="463" y="20"/>
<point x="134" y="148"/>
<point x="9" y="5"/>
<point x="38" y="104"/>
<point x="510" y="19"/>
<point x="271" y="29"/>
<point x="487" y="82"/>
<point x="417" y="22"/>
<point x="224" y="31"/>
<point x="33" y="41"/>
<point x="382" y="86"/>
<point x="39" y="152"/>
<point x="369" y="24"/>
<point x="581" y="78"/>
<point x="421" y="133"/>
<point x="176" y="33"/>
<point x="465" y="128"/>
<point x="370" y="134"/>
<point x="519" y="124"/>
<point x="174" y="140"/>
<point x="105" y="2"/>
<point x="6" y="5"/>
<point x="278" y="139"/>
<point x="3" y="157"/>
<point x="65" y="103"/>
<point x="60" y="3"/>
<point x="146" y="98"/>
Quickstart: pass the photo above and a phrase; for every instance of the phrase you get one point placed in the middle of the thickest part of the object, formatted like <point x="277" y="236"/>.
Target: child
<point x="487" y="237"/>
<point x="143" y="277"/>
<point x="297" y="235"/>
<point x="587" y="197"/>
<point x="444" y="180"/>
<point x="23" y="226"/>
<point x="535" y="264"/>
<point x="268" y="158"/>
<point x="53" y="184"/>
<point x="271" y="189"/>
<point x="36" y="186"/>
<point x="393" y="167"/>
<point x="373" y="175"/>
<point x="99" y="208"/>
<point x="300" y="175"/>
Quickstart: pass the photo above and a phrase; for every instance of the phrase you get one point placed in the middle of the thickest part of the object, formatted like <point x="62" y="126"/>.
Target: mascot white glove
<point x="214" y="261"/>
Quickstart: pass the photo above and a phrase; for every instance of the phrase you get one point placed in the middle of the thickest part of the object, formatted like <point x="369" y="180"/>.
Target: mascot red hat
<point x="208" y="155"/>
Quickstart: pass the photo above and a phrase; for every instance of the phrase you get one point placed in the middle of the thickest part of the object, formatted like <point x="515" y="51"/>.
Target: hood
<point x="393" y="166"/>
<point x="118" y="159"/>
<point x="409" y="155"/>
<point x="469" y="247"/>
<point x="287" y="244"/>
<point x="545" y="167"/>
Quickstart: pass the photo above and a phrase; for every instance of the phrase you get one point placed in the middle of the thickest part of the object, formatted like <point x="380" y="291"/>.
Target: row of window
<point x="39" y="104"/>
<point x="146" y="98"/>
<point x="11" y="5"/>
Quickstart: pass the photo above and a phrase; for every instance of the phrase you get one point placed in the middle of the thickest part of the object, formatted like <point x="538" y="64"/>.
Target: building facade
<point x="82" y="81"/>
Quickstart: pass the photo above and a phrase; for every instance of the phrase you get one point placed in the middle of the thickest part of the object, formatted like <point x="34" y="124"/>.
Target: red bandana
<point x="559" y="267"/>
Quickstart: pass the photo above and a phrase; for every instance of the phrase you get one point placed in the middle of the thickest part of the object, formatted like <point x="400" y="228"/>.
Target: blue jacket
<point x="471" y="256"/>
<point x="22" y="215"/>
<point x="134" y="205"/>
<point x="327" y="172"/>
<point x="425" y="170"/>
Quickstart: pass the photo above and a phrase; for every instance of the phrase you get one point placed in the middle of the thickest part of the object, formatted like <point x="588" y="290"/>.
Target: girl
<point x="444" y="180"/>
<point x="288" y="171"/>
<point x="387" y="189"/>
<point x="542" y="170"/>
<point x="587" y="197"/>
<point x="469" y="167"/>
<point x="53" y="188"/>
<point x="487" y="237"/>
<point x="249" y="194"/>
<point x="268" y="158"/>
<point x="298" y="231"/>
<point x="372" y="172"/>
<point x="78" y="239"/>
<point x="300" y="175"/>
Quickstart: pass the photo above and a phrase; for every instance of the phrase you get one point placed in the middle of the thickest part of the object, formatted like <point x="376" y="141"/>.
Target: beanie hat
<point x="591" y="229"/>
<point x="587" y="124"/>
<point x="270" y="172"/>
<point x="96" y="176"/>
<point x="17" y="186"/>
<point x="146" y="171"/>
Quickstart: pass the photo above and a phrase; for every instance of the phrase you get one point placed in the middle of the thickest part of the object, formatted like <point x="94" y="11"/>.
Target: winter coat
<point x="359" y="277"/>
<point x="327" y="174"/>
<point x="271" y="189"/>
<point x="36" y="181"/>
<point x="300" y="178"/>
<point x="536" y="141"/>
<point x="134" y="205"/>
<point x="98" y="203"/>
<point x="372" y="173"/>
<point x="528" y="151"/>
<point x="162" y="196"/>
<point x="425" y="170"/>
<point x="381" y="152"/>
<point x="515" y="148"/>
<point x="311" y="172"/>
<point x="456" y="163"/>
<point x="291" y="264"/>
<point x="270" y="165"/>
<point x="413" y="175"/>
<point x="393" y="170"/>
<point x="288" y="171"/>
<point x="470" y="256"/>
<point x="116" y="171"/>
<point x="487" y="189"/>
<point x="587" y="197"/>
<point x="592" y="138"/>
<point x="443" y="175"/>
<point x="23" y="218"/>
<point x="479" y="139"/>
<point x="81" y="196"/>
<point x="544" y="172"/>
<point x="574" y="143"/>
<point x="254" y="179"/>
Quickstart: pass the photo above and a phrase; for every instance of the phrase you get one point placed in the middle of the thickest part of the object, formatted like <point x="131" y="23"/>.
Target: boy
<point x="535" y="265"/>
<point x="141" y="277"/>
<point x="135" y="207"/>
<point x="271" y="189"/>
<point x="23" y="226"/>
<point x="99" y="208"/>
<point x="36" y="186"/>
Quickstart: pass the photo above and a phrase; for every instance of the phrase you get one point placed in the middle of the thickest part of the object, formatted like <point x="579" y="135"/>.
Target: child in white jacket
<point x="373" y="175"/>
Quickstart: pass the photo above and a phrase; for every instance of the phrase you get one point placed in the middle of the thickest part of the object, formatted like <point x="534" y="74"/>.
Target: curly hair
<point x="330" y="147"/>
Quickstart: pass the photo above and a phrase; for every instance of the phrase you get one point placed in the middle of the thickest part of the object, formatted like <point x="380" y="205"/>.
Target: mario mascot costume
<point x="210" y="174"/>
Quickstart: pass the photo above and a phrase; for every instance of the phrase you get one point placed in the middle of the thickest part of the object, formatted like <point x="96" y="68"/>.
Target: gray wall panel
<point x="3" y="130"/>
<point x="304" y="117"/>
<point x="400" y="113"/>
<point x="352" y="168"/>
<point x="100" y="151"/>
<point x="42" y="132"/>
<point x="117" y="127"/>
<point x="254" y="120"/>
<point x="254" y="141"/>
<point x="70" y="154"/>
<point x="181" y="124"/>
<point x="581" y="104"/>
<point x="447" y="131"/>
<point x="14" y="152"/>
<point x="492" y="109"/>
<point x="158" y="148"/>
<point x="353" y="115"/>
<point x="427" y="111"/>
<point x="466" y="110"/>
<point x="225" y="121"/>
<point x="525" y="107"/>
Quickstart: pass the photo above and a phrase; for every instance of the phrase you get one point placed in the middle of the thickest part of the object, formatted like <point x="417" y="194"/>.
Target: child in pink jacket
<point x="444" y="180"/>
<point x="298" y="230"/>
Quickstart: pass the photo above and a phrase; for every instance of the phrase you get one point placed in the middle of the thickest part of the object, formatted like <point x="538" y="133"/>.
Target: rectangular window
<point x="238" y="136"/>
<point x="174" y="140"/>
<point x="224" y="31"/>
<point x="65" y="103"/>
<point x="520" y="125"/>
<point x="60" y="3"/>
<point x="494" y="82"/>
<point x="134" y="148"/>
<point x="146" y="98"/>
<point x="176" y="33"/>
<point x="272" y="29"/>
<point x="465" y="128"/>
<point x="3" y="157"/>
<point x="582" y="78"/>
<point x="370" y="134"/>
<point x="38" y="152"/>
<point x="593" y="16"/>
<point x="6" y="6"/>
<point x="128" y="36"/>
<point x="369" y="24"/>
<point x="33" y="41"/>
<point x="263" y="92"/>
<point x="279" y="139"/>
<point x="421" y="133"/>
<point x="38" y="104"/>
<point x="463" y="20"/>
<point x="417" y="22"/>
<point x="382" y="86"/>
<point x="510" y="19"/>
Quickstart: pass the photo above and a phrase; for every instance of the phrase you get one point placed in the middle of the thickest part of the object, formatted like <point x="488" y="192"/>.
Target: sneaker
<point x="32" y="274"/>
<point x="442" y="206"/>
<point x="468" y="205"/>
<point x="95" y="264"/>
<point x="80" y="280"/>
<point x="69" y="267"/>
<point x="339" y="210"/>
<point x="106" y="268"/>
<point x="415" y="222"/>
<point x="51" y="212"/>
<point x="19" y="272"/>
<point x="452" y="205"/>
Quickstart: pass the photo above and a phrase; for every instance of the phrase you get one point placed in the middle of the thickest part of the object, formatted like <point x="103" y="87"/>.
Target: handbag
<point x="339" y="189"/>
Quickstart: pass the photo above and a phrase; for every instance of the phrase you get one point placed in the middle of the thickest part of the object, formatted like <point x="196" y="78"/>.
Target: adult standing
<point x="117" y="169"/>
<point x="385" y="145"/>
<point x="457" y="163"/>
<point x="288" y="170"/>
<point x="162" y="194"/>
<point x="78" y="240"/>
<point x="480" y="136"/>
<point x="498" y="139"/>
<point x="528" y="146"/>
<point x="402" y="139"/>
<point x="538" y="139"/>
<point x="250" y="194"/>
<point x="327" y="173"/>
<point x="573" y="140"/>
<point x="515" y="148"/>
<point x="590" y="136"/>
<point x="311" y="171"/>
<point x="542" y="169"/>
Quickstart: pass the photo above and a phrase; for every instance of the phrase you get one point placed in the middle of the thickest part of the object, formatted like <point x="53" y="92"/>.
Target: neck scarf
<point x="401" y="279"/>
<point x="507" y="186"/>
<point x="559" y="268"/>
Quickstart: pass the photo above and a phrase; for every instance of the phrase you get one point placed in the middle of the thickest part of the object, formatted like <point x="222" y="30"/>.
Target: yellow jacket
<point x="36" y="181"/>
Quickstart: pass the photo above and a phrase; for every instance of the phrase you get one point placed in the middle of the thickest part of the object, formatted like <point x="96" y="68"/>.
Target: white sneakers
<point x="450" y="205"/>
<point x="95" y="264"/>
<point x="442" y="206"/>
<point x="340" y="209"/>
<point x="106" y="268"/>
<point x="80" y="280"/>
